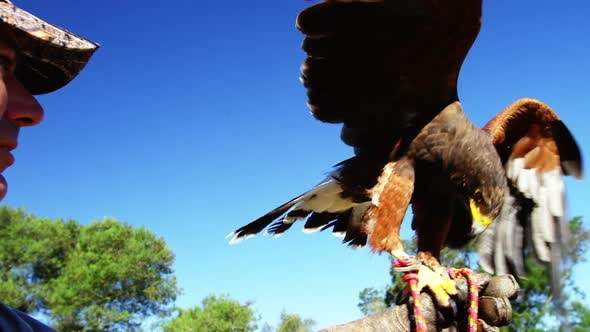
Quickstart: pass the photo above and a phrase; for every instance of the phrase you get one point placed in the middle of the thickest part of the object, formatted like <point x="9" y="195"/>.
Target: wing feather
<point x="317" y="220"/>
<point x="332" y="203"/>
<point x="384" y="68"/>
<point x="537" y="150"/>
<point x="486" y="243"/>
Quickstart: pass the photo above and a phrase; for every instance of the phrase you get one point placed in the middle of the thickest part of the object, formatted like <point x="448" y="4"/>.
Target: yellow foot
<point x="440" y="285"/>
<point x="400" y="254"/>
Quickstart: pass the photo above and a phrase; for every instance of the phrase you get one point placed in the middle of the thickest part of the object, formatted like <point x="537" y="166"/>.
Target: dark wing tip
<point x="238" y="235"/>
<point x="358" y="240"/>
<point x="569" y="152"/>
<point x="259" y="224"/>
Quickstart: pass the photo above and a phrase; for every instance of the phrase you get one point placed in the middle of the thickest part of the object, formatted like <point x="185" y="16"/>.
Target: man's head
<point x="35" y="58"/>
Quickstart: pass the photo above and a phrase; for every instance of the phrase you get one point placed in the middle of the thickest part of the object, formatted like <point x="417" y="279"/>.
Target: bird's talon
<point x="440" y="286"/>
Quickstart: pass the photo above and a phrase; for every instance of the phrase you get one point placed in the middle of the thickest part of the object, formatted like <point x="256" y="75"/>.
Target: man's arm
<point x="494" y="310"/>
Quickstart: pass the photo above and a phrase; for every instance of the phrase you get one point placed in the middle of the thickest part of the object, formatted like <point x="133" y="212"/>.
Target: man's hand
<point x="494" y="310"/>
<point x="494" y="302"/>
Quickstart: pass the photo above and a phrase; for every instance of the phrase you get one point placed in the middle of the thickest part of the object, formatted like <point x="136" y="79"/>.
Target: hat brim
<point x="49" y="56"/>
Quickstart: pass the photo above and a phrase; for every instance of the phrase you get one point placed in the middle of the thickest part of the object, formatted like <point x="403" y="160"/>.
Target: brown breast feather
<point x="391" y="197"/>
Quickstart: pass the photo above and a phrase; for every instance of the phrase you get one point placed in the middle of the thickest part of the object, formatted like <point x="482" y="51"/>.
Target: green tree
<point x="294" y="323"/>
<point x="32" y="251"/>
<point x="371" y="302"/>
<point x="105" y="276"/>
<point x="534" y="307"/>
<point x="216" y="314"/>
<point x="535" y="303"/>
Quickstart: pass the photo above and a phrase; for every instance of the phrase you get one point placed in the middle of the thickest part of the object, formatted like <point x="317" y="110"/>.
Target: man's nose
<point x="22" y="109"/>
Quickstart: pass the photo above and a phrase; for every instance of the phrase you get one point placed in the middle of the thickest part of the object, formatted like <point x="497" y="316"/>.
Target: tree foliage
<point x="223" y="314"/>
<point x="371" y="302"/>
<point x="216" y="314"/>
<point x="535" y="303"/>
<point x="294" y="323"/>
<point x="105" y="276"/>
<point x="32" y="251"/>
<point x="533" y="308"/>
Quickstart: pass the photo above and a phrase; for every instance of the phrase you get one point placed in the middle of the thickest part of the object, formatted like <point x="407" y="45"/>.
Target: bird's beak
<point x="480" y="221"/>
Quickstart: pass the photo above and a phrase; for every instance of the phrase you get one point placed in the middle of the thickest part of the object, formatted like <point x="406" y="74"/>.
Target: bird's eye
<point x="478" y="197"/>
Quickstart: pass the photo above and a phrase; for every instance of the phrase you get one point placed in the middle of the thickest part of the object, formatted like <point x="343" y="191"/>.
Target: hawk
<point x="387" y="71"/>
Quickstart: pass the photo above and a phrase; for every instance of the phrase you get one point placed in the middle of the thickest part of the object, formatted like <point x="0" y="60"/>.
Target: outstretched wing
<point x="384" y="68"/>
<point x="330" y="204"/>
<point x="537" y="149"/>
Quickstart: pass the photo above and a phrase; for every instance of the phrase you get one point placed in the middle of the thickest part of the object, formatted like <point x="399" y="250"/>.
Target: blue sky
<point x="191" y="121"/>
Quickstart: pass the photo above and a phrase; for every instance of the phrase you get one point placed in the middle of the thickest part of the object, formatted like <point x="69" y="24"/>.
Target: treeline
<point x="223" y="314"/>
<point x="110" y="276"/>
<point x="107" y="276"/>
<point x="104" y="276"/>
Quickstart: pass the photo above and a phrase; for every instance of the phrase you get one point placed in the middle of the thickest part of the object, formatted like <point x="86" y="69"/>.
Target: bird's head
<point x="483" y="189"/>
<point x="485" y="203"/>
<point x="477" y="207"/>
<point x="482" y="180"/>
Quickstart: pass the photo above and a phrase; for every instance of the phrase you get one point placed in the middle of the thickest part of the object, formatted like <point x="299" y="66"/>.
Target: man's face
<point x="18" y="108"/>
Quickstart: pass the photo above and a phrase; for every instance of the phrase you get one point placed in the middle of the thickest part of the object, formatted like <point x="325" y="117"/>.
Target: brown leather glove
<point x="494" y="302"/>
<point x="494" y="310"/>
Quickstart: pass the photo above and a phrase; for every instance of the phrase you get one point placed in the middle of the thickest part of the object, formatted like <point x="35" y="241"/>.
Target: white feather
<point x="514" y="167"/>
<point x="485" y="248"/>
<point x="535" y="185"/>
<point x="540" y="221"/>
<point x="237" y="239"/>
<point x="311" y="230"/>
<point x="547" y="191"/>
<point x="548" y="225"/>
<point x="526" y="180"/>
<point x="499" y="260"/>
<point x="517" y="255"/>
<point x="555" y="192"/>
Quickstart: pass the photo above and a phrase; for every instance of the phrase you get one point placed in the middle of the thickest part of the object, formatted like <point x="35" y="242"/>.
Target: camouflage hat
<point x="49" y="56"/>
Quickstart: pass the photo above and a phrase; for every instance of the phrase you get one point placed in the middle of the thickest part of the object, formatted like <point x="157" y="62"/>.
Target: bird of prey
<point x="387" y="70"/>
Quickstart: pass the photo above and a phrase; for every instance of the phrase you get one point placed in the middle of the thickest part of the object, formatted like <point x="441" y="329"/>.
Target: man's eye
<point x="7" y="64"/>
